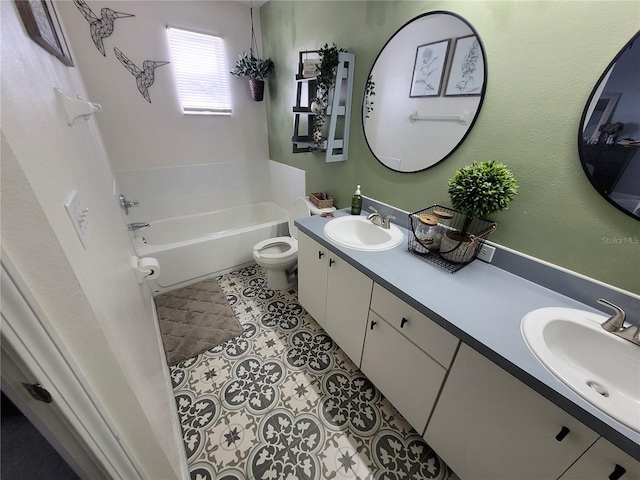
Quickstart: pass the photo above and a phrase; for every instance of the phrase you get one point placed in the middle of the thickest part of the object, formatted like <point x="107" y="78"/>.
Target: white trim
<point x="25" y="328"/>
<point x="177" y="427"/>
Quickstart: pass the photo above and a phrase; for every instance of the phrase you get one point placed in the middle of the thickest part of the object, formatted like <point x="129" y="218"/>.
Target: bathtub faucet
<point x="136" y="226"/>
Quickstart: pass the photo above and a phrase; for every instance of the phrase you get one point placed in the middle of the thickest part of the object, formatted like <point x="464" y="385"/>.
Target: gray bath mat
<point x="195" y="319"/>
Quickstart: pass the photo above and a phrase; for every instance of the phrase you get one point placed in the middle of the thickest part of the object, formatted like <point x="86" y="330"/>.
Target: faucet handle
<point x="388" y="219"/>
<point x="615" y="323"/>
<point x="373" y="209"/>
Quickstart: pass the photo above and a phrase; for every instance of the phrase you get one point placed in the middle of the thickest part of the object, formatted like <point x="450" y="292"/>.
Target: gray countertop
<point x="483" y="306"/>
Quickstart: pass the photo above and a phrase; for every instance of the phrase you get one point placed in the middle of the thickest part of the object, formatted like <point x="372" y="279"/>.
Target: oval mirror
<point x="609" y="137"/>
<point x="424" y="92"/>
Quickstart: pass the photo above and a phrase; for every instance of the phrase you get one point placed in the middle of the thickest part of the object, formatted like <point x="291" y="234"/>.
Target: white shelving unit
<point x="335" y="145"/>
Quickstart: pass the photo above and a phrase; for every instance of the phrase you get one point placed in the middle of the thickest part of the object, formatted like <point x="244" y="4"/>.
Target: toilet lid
<point x="299" y="209"/>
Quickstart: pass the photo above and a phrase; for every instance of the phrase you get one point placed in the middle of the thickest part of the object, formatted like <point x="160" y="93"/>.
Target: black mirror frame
<point x="482" y="92"/>
<point x="581" y="152"/>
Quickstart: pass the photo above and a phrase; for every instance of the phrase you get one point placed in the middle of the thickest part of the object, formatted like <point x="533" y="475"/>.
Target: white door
<point x="73" y="422"/>
<point x="313" y="262"/>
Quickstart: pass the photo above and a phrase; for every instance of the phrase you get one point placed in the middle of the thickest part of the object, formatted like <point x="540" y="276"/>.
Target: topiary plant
<point x="482" y="188"/>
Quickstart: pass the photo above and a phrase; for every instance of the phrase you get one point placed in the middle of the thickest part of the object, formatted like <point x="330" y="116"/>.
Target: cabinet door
<point x="488" y="424"/>
<point x="312" y="277"/>
<point x="602" y="461"/>
<point x="348" y="297"/>
<point x="407" y="376"/>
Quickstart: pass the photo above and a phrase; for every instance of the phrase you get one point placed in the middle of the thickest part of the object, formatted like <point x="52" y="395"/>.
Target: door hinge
<point x="38" y="392"/>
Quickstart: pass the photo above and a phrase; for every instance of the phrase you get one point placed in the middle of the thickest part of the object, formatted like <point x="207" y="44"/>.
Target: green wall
<point x="543" y="60"/>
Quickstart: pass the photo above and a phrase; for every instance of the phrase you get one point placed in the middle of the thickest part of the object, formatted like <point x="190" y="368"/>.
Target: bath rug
<point x="195" y="319"/>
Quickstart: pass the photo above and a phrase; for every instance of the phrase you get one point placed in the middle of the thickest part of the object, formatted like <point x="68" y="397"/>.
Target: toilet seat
<point x="292" y="243"/>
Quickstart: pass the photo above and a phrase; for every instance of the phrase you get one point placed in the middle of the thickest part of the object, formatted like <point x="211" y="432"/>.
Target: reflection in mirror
<point x="428" y="83"/>
<point x="609" y="138"/>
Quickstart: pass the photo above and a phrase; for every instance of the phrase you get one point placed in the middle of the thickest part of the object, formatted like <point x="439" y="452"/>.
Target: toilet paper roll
<point x="147" y="268"/>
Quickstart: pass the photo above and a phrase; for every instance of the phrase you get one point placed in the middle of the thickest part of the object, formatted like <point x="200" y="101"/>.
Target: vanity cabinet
<point x="335" y="294"/>
<point x="406" y="356"/>
<point x="604" y="461"/>
<point x="488" y="424"/>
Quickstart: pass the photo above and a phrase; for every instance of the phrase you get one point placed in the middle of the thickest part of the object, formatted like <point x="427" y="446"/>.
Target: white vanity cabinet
<point x="406" y="356"/>
<point x="488" y="424"/>
<point x="335" y="294"/>
<point x="604" y="461"/>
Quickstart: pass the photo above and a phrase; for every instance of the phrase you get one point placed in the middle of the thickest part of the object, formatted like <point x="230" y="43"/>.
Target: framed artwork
<point x="466" y="75"/>
<point x="428" y="69"/>
<point x="42" y="25"/>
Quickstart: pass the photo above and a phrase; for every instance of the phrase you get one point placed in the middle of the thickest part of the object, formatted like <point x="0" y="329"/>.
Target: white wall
<point x="140" y="135"/>
<point x="91" y="296"/>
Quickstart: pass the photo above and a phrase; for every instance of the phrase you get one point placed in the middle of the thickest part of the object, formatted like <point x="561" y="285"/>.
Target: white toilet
<point x="279" y="255"/>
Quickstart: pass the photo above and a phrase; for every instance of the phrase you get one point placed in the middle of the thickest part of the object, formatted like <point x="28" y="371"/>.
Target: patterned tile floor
<point x="282" y="401"/>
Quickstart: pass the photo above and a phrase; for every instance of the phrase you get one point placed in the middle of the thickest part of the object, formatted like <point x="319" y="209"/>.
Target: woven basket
<point x="321" y="200"/>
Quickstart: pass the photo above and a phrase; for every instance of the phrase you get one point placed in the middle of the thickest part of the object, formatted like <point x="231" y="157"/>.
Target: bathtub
<point x="194" y="246"/>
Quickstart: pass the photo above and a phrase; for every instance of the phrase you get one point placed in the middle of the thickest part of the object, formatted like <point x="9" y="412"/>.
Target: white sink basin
<point x="360" y="234"/>
<point x="601" y="367"/>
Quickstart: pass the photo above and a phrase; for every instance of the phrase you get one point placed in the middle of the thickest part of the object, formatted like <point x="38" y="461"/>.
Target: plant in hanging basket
<point x="325" y="81"/>
<point x="477" y="191"/>
<point x="248" y="65"/>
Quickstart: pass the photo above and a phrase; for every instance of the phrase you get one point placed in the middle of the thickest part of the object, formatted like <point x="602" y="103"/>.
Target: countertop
<point x="483" y="306"/>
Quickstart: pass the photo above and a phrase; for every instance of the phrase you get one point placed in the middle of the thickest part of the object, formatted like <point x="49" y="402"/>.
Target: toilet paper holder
<point x="147" y="268"/>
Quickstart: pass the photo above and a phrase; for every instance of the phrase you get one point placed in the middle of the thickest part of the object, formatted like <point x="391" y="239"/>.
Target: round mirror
<point x="609" y="137"/>
<point x="424" y="92"/>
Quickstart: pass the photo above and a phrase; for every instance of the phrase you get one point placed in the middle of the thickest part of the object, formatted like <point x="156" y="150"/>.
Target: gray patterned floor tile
<point x="283" y="401"/>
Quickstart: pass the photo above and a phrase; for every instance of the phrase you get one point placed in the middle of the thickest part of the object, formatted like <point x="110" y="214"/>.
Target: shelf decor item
<point x="325" y="81"/>
<point x="435" y="249"/>
<point x="252" y="66"/>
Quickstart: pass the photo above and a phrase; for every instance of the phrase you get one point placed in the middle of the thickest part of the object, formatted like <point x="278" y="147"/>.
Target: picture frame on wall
<point x="428" y="69"/>
<point x="466" y="72"/>
<point x="41" y="22"/>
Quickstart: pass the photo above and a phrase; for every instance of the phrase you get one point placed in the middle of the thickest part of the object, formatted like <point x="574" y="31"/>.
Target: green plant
<point x="612" y="128"/>
<point x="482" y="188"/>
<point x="325" y="81"/>
<point x="247" y="65"/>
<point x="369" y="91"/>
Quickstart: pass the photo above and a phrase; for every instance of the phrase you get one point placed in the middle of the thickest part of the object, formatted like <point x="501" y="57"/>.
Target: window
<point x="201" y="74"/>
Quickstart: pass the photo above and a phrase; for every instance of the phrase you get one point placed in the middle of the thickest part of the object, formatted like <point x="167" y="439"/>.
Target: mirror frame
<point x="482" y="92"/>
<point x="581" y="153"/>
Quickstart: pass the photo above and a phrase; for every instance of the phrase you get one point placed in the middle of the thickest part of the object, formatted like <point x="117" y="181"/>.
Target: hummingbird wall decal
<point x="102" y="27"/>
<point x="145" y="76"/>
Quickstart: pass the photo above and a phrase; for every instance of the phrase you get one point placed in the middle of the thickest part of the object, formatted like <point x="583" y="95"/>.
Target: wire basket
<point x="450" y="250"/>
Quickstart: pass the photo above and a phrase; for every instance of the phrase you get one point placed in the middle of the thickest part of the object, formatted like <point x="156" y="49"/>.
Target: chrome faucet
<point x="126" y="204"/>
<point x="615" y="324"/>
<point x="136" y="226"/>
<point x="377" y="219"/>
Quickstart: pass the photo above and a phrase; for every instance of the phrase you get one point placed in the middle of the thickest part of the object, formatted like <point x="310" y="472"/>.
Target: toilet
<point x="279" y="255"/>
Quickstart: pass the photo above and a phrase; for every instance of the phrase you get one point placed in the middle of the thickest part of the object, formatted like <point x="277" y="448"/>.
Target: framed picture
<point x="466" y="74"/>
<point x="428" y="69"/>
<point x="42" y="25"/>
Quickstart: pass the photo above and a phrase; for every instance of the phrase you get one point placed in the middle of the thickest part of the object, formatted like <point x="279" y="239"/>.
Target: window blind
<point x="201" y="74"/>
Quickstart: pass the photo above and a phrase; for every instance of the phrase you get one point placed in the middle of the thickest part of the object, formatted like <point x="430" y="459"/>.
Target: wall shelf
<point x="335" y="145"/>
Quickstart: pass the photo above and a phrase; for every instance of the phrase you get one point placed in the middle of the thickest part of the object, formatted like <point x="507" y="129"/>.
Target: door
<point x="312" y="277"/>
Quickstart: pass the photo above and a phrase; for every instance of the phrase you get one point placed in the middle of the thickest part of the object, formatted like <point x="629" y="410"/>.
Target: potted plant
<point x="612" y="130"/>
<point x="325" y="81"/>
<point x="257" y="69"/>
<point x="252" y="66"/>
<point x="477" y="191"/>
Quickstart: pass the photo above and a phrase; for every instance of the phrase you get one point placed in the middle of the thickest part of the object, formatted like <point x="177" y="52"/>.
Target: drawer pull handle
<point x="331" y="261"/>
<point x="618" y="472"/>
<point x="320" y="255"/>
<point x="404" y="320"/>
<point x="564" y="431"/>
<point x="373" y="322"/>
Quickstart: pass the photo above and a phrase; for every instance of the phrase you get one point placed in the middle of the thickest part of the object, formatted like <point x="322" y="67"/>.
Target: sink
<point x="360" y="234"/>
<point x="601" y="367"/>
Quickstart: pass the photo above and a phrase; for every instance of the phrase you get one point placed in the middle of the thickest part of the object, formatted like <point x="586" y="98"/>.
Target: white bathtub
<point x="194" y="246"/>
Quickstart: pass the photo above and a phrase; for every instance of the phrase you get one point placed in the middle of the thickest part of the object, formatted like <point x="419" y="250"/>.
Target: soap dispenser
<point x="356" y="202"/>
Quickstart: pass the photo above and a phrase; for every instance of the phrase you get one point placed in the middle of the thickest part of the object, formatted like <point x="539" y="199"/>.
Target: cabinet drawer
<point x="418" y="328"/>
